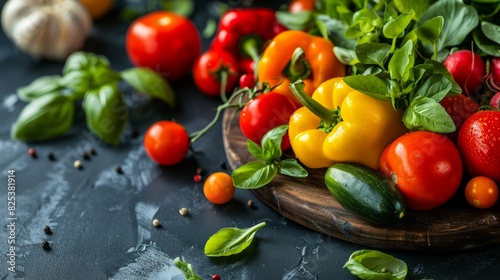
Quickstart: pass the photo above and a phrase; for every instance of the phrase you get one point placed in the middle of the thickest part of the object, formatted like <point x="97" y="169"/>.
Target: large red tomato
<point x="265" y="112"/>
<point x="165" y="42"/>
<point x="425" y="166"/>
<point x="479" y="144"/>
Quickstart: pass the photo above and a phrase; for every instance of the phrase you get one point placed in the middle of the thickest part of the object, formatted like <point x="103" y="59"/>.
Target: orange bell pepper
<point x="294" y="55"/>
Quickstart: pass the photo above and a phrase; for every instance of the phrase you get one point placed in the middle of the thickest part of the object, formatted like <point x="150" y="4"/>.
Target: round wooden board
<point x="453" y="226"/>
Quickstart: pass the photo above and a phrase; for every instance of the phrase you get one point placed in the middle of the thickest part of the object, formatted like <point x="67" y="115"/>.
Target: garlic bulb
<point x="48" y="28"/>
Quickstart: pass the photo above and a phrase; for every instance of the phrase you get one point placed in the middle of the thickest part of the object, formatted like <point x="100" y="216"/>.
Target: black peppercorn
<point x="47" y="230"/>
<point x="46" y="245"/>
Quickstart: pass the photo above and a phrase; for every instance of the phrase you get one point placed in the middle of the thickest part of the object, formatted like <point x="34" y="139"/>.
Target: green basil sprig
<point x="231" y="240"/>
<point x="375" y="265"/>
<point x="186" y="269"/>
<point x="256" y="174"/>
<point x="89" y="77"/>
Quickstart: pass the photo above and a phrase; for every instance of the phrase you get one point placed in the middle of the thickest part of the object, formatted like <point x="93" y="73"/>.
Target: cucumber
<point x="365" y="193"/>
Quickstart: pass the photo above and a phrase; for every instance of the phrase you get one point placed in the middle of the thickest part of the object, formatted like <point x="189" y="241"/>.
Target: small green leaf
<point x="83" y="61"/>
<point x="369" y="84"/>
<point x="373" y="53"/>
<point x="39" y="87"/>
<point x="106" y="112"/>
<point x="102" y="75"/>
<point x="79" y="81"/>
<point x="345" y="56"/>
<point x="181" y="7"/>
<point x="430" y="30"/>
<point x="401" y="62"/>
<point x="407" y="5"/>
<point x="389" y="13"/>
<point x="395" y="27"/>
<point x="485" y="44"/>
<point x="255" y="150"/>
<point x="436" y="87"/>
<point x="231" y="240"/>
<point x="290" y="167"/>
<point x="271" y="142"/>
<point x="253" y="175"/>
<point x="372" y="264"/>
<point x="210" y="29"/>
<point x="439" y="68"/>
<point x="186" y="269"/>
<point x="148" y="81"/>
<point x="295" y="21"/>
<point x="425" y="113"/>
<point x="44" y="118"/>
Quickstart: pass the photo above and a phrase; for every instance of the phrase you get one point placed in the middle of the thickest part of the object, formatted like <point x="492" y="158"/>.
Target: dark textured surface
<point x="101" y="220"/>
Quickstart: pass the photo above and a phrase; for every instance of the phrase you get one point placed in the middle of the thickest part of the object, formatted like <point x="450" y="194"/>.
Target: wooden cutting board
<point x="453" y="226"/>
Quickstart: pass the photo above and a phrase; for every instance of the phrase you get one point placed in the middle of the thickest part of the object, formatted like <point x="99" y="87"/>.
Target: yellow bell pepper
<point x="340" y="124"/>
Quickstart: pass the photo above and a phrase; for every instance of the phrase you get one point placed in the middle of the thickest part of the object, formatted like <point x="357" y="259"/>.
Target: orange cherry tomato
<point x="296" y="6"/>
<point x="219" y="188"/>
<point x="481" y="192"/>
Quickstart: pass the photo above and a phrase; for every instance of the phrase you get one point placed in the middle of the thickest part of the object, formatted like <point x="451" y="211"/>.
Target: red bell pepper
<point x="243" y="32"/>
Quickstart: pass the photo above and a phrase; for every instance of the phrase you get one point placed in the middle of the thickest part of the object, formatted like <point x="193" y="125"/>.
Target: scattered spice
<point x="77" y="164"/>
<point x="119" y="170"/>
<point x="32" y="152"/>
<point x="156" y="223"/>
<point x="51" y="156"/>
<point x="197" y="178"/>
<point x="215" y="277"/>
<point x="223" y="165"/>
<point x="92" y="151"/>
<point x="85" y="156"/>
<point x="250" y="203"/>
<point x="199" y="171"/>
<point x="46" y="245"/>
<point x="183" y="211"/>
<point x="47" y="230"/>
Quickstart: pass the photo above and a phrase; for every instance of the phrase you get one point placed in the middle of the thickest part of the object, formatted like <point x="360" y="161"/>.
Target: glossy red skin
<point x="165" y="42"/>
<point x="166" y="142"/>
<point x="425" y="166"/>
<point x="459" y="107"/>
<point x="495" y="70"/>
<point x="467" y="69"/>
<point x="479" y="145"/>
<point x="265" y="112"/>
<point x="247" y="81"/>
<point x="207" y="72"/>
<point x="495" y="101"/>
<point x="301" y="6"/>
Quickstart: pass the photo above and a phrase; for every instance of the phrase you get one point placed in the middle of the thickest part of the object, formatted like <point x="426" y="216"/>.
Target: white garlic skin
<point x="52" y="29"/>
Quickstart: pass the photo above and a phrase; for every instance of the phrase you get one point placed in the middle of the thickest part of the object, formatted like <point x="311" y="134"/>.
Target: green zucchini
<point x="365" y="193"/>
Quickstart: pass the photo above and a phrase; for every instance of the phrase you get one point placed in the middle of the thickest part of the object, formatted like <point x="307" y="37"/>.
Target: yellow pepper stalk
<point x="340" y="124"/>
<point x="293" y="55"/>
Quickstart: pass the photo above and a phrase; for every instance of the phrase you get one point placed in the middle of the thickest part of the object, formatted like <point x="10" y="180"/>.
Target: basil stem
<point x="231" y="240"/>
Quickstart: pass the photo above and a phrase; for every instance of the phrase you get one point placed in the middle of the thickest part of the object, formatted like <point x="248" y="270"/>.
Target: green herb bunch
<point x="88" y="78"/>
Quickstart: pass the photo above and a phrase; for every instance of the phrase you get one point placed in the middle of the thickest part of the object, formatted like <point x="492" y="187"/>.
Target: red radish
<point x="467" y="68"/>
<point x="495" y="101"/>
<point x="495" y="70"/>
<point x="459" y="107"/>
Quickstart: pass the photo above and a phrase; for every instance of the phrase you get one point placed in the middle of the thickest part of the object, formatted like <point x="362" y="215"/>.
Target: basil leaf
<point x="401" y="62"/>
<point x="255" y="150"/>
<point x="102" y="75"/>
<point x="44" y="118"/>
<point x="425" y="113"/>
<point x="295" y="21"/>
<point x="78" y="81"/>
<point x="106" y="112"/>
<point x="435" y="87"/>
<point x="459" y="20"/>
<point x="389" y="13"/>
<point x="39" y="87"/>
<point x="83" y="61"/>
<point x="181" y="7"/>
<point x="369" y="85"/>
<point x="394" y="27"/>
<point x="148" y="81"/>
<point x="290" y="167"/>
<point x="271" y="142"/>
<point x="373" y="53"/>
<point x="345" y="56"/>
<point x="253" y="175"/>
<point x="430" y="30"/>
<point x="231" y="240"/>
<point x="186" y="269"/>
<point x="372" y="264"/>
<point x="491" y="31"/>
<point x="439" y="68"/>
<point x="407" y="5"/>
<point x="485" y="44"/>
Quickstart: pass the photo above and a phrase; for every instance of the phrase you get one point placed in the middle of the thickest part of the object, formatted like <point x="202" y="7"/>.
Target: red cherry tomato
<point x="479" y="144"/>
<point x="301" y="5"/>
<point x="264" y="113"/>
<point x="425" y="166"/>
<point x="166" y="142"/>
<point x="165" y="42"/>
<point x="247" y="81"/>
<point x="481" y="192"/>
<point x="218" y="188"/>
<point x="209" y="69"/>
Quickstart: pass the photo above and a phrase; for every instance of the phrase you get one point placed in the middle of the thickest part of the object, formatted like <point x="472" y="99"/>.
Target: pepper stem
<point x="298" y="67"/>
<point x="250" y="46"/>
<point x="329" y="117"/>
